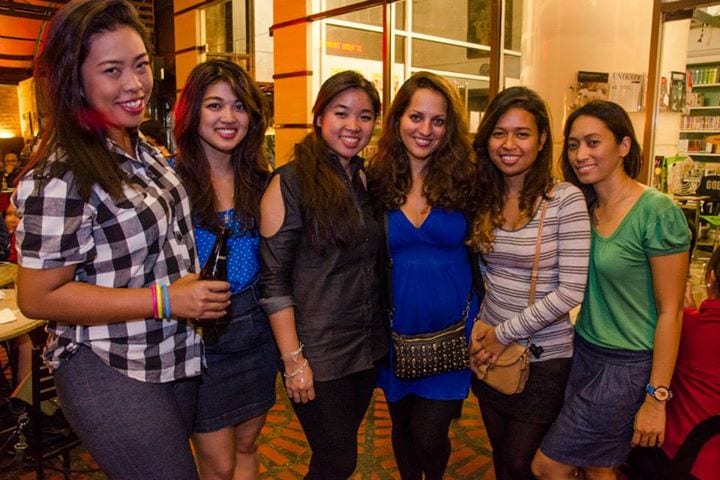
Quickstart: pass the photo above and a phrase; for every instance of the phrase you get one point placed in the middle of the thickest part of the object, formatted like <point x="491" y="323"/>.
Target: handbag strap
<point x="538" y="245"/>
<point x="388" y="271"/>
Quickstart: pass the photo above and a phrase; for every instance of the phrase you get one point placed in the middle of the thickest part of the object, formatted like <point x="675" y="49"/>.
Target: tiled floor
<point x="284" y="453"/>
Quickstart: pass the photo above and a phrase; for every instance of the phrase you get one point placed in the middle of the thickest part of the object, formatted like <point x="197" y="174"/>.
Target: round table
<point x="21" y="324"/>
<point x="8" y="273"/>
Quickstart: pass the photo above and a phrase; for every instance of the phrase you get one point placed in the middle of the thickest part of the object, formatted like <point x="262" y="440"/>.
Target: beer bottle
<point x="215" y="268"/>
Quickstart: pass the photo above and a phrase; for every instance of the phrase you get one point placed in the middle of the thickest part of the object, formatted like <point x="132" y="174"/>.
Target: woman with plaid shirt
<point x="103" y="219"/>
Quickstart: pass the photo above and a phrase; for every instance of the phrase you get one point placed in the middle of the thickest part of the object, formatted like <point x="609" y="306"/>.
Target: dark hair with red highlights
<point x="73" y="131"/>
<point x="249" y="163"/>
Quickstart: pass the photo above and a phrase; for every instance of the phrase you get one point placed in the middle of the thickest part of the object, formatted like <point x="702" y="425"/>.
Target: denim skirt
<point x="605" y="390"/>
<point x="239" y="382"/>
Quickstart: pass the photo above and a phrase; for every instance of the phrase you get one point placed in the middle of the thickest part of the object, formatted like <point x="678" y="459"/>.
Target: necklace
<point x="229" y="214"/>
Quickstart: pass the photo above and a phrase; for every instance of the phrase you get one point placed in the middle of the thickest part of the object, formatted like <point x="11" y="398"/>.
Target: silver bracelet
<point x="293" y="354"/>
<point x="298" y="371"/>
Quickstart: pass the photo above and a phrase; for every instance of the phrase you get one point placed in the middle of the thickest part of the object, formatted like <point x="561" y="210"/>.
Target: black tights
<point x="420" y="436"/>
<point x="513" y="442"/>
<point x="331" y="423"/>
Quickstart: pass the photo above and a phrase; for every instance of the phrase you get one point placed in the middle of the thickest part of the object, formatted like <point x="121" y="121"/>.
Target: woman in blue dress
<point x="423" y="178"/>
<point x="220" y="125"/>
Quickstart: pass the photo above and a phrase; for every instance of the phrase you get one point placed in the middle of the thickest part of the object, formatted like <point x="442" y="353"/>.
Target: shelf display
<point x="700" y="124"/>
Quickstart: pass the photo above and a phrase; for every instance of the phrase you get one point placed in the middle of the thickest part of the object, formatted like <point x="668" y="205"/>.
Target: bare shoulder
<point x="272" y="209"/>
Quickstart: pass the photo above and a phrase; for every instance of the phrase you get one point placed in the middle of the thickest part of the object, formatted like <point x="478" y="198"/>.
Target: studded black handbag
<point x="426" y="354"/>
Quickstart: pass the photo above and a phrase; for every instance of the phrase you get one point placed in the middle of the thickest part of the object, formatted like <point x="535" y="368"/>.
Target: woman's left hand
<point x="649" y="424"/>
<point x="484" y="345"/>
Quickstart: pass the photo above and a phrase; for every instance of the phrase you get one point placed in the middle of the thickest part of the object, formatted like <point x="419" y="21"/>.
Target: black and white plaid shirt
<point x="143" y="239"/>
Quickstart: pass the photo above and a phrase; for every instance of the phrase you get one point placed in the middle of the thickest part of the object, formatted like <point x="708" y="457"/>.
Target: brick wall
<point x="9" y="114"/>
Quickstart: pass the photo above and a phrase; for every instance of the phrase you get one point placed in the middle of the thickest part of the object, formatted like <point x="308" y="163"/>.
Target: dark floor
<point x="284" y="452"/>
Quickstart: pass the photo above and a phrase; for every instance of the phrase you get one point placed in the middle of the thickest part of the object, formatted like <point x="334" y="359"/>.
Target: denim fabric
<point x="604" y="392"/>
<point x="239" y="383"/>
<point x="134" y="430"/>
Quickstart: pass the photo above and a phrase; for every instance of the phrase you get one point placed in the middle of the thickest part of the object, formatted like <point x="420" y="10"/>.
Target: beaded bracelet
<point x="166" y="304"/>
<point x="297" y="372"/>
<point x="293" y="354"/>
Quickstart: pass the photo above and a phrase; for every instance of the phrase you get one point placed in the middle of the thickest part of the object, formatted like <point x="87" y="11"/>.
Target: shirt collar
<point x="356" y="163"/>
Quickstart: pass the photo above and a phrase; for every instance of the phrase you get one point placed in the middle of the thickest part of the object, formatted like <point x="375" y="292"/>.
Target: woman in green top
<point x="629" y="326"/>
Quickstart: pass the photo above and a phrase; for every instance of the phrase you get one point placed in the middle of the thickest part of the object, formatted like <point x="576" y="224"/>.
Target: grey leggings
<point x="132" y="429"/>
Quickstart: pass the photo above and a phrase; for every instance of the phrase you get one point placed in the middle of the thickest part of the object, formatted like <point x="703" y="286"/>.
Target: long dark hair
<point x="330" y="214"/>
<point x="537" y="182"/>
<point x="449" y="175"/>
<point x="248" y="159"/>
<point x="616" y="119"/>
<point x="74" y="131"/>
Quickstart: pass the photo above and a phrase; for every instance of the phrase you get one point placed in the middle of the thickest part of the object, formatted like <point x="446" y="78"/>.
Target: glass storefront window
<point x="457" y="49"/>
<point x="319" y="6"/>
<point x="513" y="24"/>
<point x="218" y="27"/>
<point x="450" y="58"/>
<point x="454" y="20"/>
<point x="353" y="43"/>
<point x="224" y="30"/>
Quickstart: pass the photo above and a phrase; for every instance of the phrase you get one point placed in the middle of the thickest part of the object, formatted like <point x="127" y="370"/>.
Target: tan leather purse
<point x="511" y="371"/>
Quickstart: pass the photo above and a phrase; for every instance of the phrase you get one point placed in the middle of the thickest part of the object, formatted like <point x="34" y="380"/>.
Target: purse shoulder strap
<point x="538" y="245"/>
<point x="388" y="270"/>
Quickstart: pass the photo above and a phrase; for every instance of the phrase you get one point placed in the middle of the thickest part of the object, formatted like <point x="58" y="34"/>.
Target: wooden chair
<point x="46" y="446"/>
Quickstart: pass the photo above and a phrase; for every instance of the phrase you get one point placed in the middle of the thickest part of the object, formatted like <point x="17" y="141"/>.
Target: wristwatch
<point x="660" y="393"/>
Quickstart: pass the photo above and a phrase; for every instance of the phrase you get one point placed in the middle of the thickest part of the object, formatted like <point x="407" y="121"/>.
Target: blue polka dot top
<point x="243" y="261"/>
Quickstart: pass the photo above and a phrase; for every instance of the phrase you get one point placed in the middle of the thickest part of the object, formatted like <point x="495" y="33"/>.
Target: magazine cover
<point x="677" y="91"/>
<point x="626" y="90"/>
<point x="591" y="86"/>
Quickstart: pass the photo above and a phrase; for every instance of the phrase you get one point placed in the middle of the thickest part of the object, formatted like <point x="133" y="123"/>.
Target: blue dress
<point x="431" y="279"/>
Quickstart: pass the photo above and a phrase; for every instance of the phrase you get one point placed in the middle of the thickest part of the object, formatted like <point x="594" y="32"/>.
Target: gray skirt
<point x="604" y="392"/>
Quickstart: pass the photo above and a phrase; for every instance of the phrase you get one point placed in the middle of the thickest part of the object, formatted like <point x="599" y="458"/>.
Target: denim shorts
<point x="239" y="382"/>
<point x="604" y="392"/>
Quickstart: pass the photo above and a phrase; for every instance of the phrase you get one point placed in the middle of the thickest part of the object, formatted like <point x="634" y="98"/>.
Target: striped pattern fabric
<point x="145" y="238"/>
<point x="562" y="274"/>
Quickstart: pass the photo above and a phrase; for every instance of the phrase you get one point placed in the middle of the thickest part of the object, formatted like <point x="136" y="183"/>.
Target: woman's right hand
<point x="299" y="380"/>
<point x="199" y="299"/>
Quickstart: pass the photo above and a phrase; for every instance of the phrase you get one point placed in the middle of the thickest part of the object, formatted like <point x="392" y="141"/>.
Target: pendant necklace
<point x="230" y="212"/>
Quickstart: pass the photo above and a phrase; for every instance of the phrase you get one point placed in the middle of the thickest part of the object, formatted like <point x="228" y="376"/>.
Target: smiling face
<point x="117" y="80"/>
<point x="422" y="125"/>
<point x="224" y="120"/>
<point x="347" y="123"/>
<point x="593" y="152"/>
<point x="515" y="143"/>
